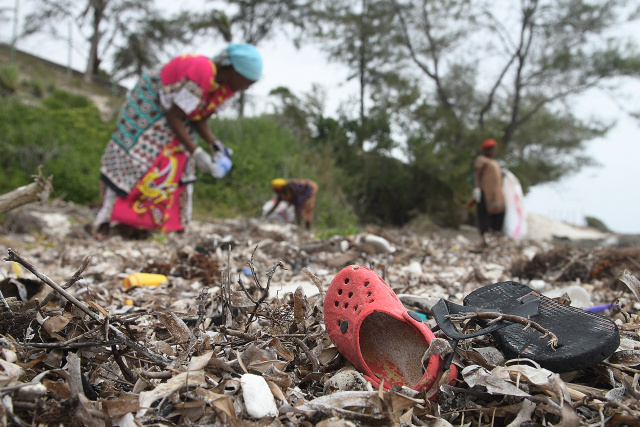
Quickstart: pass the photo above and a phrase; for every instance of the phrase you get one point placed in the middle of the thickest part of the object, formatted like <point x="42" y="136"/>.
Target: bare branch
<point x="496" y="317"/>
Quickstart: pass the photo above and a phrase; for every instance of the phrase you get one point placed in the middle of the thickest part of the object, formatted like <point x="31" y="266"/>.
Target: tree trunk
<point x="93" y="60"/>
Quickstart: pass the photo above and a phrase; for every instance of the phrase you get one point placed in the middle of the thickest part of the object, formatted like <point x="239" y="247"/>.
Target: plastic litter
<point x="599" y="308"/>
<point x="144" y="280"/>
<point x="579" y="296"/>
<point x="257" y="396"/>
<point x="222" y="165"/>
<point x="515" y="217"/>
<point x="284" y="212"/>
<point x="380" y="243"/>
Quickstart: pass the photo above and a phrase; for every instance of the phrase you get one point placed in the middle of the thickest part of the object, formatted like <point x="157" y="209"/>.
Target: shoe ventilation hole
<point x="346" y="305"/>
<point x="372" y="300"/>
<point x="350" y="294"/>
<point x="336" y="303"/>
<point x="355" y="308"/>
<point x="368" y="294"/>
<point x="339" y="322"/>
<point x="346" y="281"/>
<point x="339" y="291"/>
<point x="366" y="284"/>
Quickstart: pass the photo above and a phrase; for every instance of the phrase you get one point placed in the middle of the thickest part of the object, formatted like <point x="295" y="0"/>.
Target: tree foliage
<point x="146" y="47"/>
<point x="101" y="22"/>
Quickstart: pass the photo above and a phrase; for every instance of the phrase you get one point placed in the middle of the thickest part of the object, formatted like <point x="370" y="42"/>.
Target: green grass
<point x="67" y="136"/>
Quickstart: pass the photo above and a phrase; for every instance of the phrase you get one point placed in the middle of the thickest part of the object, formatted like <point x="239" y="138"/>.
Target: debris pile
<point x="236" y="334"/>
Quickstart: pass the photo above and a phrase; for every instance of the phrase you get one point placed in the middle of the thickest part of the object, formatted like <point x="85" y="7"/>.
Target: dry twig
<point x="15" y="256"/>
<point x="497" y="317"/>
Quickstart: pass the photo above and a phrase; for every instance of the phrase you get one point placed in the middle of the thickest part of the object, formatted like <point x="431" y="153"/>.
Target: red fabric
<point x="197" y="68"/>
<point x="202" y="71"/>
<point x="154" y="203"/>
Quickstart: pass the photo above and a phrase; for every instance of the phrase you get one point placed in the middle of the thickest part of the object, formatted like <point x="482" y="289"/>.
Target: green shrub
<point x="9" y="78"/>
<point x="67" y="136"/>
<point x="263" y="151"/>
<point x="68" y="141"/>
<point x="36" y="87"/>
<point x="61" y="99"/>
<point x="596" y="223"/>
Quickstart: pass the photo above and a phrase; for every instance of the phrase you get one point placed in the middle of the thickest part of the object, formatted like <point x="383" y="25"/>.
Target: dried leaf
<point x="221" y="364"/>
<point x="275" y="390"/>
<point x="199" y="362"/>
<point x="488" y="357"/>
<point x="327" y="355"/>
<point x="525" y="413"/>
<point x="273" y="374"/>
<point x="57" y="387"/>
<point x="190" y="378"/>
<point x="122" y="405"/>
<point x="240" y="300"/>
<point x="100" y="309"/>
<point x="400" y="401"/>
<point x="281" y="350"/>
<point x="165" y="348"/>
<point x="262" y="365"/>
<point x="437" y="346"/>
<point x="177" y="328"/>
<point x="34" y="362"/>
<point x="11" y="373"/>
<point x="55" y="324"/>
<point x="626" y="357"/>
<point x="220" y="401"/>
<point x="347" y="399"/>
<point x="477" y="375"/>
<point x="631" y="281"/>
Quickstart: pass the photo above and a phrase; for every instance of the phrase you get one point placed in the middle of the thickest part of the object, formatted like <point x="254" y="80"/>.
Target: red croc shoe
<point x="374" y="331"/>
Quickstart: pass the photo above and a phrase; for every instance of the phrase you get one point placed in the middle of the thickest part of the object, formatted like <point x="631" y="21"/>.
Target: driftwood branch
<point x="496" y="317"/>
<point x="37" y="191"/>
<point x="69" y="346"/>
<point x="15" y="257"/>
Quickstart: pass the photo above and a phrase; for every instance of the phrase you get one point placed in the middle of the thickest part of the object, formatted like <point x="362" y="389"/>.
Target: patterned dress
<point x="144" y="165"/>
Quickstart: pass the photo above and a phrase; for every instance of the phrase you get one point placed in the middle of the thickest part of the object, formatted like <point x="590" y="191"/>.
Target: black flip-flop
<point x="584" y="338"/>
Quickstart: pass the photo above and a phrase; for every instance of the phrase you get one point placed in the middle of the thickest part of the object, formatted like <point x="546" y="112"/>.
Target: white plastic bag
<point x="284" y="212"/>
<point x="515" y="218"/>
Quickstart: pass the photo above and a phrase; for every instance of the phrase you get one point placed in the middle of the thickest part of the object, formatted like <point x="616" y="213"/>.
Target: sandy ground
<point x="541" y="228"/>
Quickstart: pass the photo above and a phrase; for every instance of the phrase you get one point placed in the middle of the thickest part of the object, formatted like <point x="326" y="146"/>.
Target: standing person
<point x="301" y="193"/>
<point x="148" y="167"/>
<point x="487" y="191"/>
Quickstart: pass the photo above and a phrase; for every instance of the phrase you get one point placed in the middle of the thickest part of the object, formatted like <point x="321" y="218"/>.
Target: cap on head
<point x="488" y="144"/>
<point x="278" y="183"/>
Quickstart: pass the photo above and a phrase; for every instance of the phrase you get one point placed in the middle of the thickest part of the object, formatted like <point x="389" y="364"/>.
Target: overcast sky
<point x="608" y="192"/>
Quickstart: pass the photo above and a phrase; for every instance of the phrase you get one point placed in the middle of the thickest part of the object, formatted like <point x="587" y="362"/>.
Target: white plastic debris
<point x="537" y="284"/>
<point x="380" y="243"/>
<point x="257" y="396"/>
<point x="579" y="296"/>
<point x="414" y="268"/>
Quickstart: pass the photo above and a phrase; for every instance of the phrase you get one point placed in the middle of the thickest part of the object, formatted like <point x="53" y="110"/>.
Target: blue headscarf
<point x="244" y="58"/>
